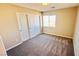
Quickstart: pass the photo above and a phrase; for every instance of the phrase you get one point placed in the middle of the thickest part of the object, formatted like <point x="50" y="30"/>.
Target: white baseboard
<point x="60" y="35"/>
<point x="18" y="44"/>
<point x="14" y="46"/>
<point x="67" y="37"/>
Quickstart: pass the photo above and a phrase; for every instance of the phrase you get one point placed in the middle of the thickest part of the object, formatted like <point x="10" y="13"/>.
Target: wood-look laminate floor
<point x="44" y="45"/>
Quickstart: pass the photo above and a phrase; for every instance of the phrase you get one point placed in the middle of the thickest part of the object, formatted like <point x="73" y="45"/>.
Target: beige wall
<point x="8" y="23"/>
<point x="9" y="26"/>
<point x="76" y="35"/>
<point x="65" y="22"/>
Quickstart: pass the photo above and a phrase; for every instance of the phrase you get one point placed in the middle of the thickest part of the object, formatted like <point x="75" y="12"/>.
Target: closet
<point x="28" y="25"/>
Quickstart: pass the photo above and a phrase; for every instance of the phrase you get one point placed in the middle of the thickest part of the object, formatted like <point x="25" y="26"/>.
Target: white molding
<point x="61" y="35"/>
<point x="14" y="46"/>
<point x="66" y="36"/>
<point x="33" y="37"/>
<point x="19" y="43"/>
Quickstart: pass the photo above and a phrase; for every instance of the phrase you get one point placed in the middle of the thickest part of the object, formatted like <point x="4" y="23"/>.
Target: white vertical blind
<point x="45" y="21"/>
<point x="52" y="21"/>
<point x="49" y="21"/>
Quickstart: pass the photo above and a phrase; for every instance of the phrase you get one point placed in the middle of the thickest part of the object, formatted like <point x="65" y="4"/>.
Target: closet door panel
<point x="37" y="24"/>
<point x="34" y="25"/>
<point x="23" y="26"/>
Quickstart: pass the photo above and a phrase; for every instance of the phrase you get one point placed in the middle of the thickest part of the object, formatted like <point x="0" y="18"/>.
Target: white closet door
<point x="23" y="28"/>
<point x="37" y="25"/>
<point x="34" y="26"/>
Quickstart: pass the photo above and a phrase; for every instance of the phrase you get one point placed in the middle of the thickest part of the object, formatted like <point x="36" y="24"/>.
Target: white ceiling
<point x="40" y="7"/>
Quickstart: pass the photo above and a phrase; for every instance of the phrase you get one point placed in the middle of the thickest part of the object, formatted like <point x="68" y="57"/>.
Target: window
<point x="49" y="20"/>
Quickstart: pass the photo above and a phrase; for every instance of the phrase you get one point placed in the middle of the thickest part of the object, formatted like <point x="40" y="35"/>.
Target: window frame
<point x="49" y="20"/>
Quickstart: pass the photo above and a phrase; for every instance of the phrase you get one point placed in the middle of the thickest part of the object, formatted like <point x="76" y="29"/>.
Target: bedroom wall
<point x="8" y="23"/>
<point x="76" y="36"/>
<point x="65" y="22"/>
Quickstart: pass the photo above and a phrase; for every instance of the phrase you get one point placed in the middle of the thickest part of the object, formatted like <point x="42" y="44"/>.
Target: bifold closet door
<point x="23" y="26"/>
<point x="34" y="25"/>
